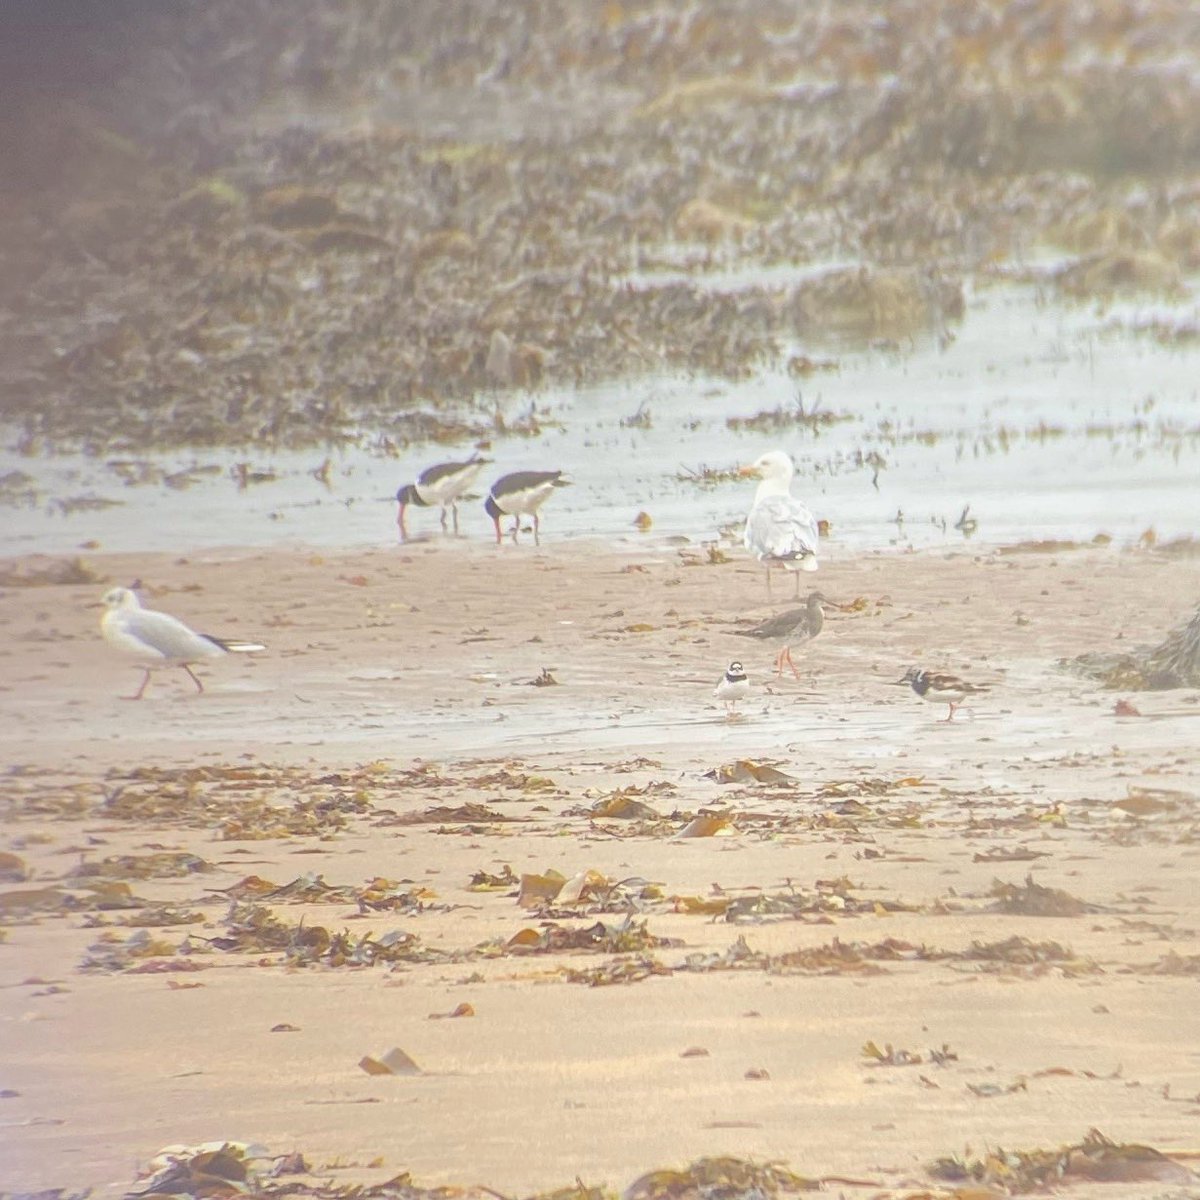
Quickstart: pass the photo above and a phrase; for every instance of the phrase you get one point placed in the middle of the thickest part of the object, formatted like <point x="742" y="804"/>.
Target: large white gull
<point x="780" y="531"/>
<point x="157" y="639"/>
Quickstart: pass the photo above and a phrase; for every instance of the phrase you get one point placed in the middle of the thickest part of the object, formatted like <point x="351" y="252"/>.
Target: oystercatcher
<point x="441" y="484"/>
<point x="158" y="639"/>
<point x="788" y="628"/>
<point x="732" y="687"/>
<point x="940" y="688"/>
<point x="780" y="531"/>
<point x="521" y="494"/>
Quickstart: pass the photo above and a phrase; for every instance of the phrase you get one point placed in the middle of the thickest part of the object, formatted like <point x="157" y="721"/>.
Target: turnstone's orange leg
<point x="950" y="715"/>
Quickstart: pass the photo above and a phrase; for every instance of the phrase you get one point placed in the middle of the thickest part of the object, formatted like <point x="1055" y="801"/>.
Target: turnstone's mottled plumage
<point x="157" y="639"/>
<point x="441" y="484"/>
<point x="788" y="628"/>
<point x="732" y="687"/>
<point x="780" y="531"/>
<point x="940" y="688"/>
<point x="521" y="494"/>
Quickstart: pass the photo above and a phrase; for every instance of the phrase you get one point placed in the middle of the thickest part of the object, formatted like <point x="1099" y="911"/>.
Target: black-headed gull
<point x="159" y="640"/>
<point x="443" y="484"/>
<point x="521" y="494"/>
<point x="780" y="531"/>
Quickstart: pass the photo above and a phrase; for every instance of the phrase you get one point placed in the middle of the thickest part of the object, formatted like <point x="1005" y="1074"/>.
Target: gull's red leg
<point x="145" y="680"/>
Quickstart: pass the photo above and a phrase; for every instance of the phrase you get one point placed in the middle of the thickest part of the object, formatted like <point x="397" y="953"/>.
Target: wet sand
<point x="418" y="662"/>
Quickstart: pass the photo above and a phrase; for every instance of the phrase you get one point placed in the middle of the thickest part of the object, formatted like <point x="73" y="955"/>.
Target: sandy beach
<point x="1004" y="906"/>
<point x="466" y="880"/>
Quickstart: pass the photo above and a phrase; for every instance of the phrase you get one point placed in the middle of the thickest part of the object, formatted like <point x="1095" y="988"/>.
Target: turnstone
<point x="441" y="484"/>
<point x="940" y="688"/>
<point x="780" y="531"/>
<point x="521" y="494"/>
<point x="158" y="639"/>
<point x="787" y="628"/>
<point x="732" y="687"/>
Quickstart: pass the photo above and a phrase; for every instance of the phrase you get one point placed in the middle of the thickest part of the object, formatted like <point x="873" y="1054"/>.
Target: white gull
<point x="780" y="531"/>
<point x="158" y="639"/>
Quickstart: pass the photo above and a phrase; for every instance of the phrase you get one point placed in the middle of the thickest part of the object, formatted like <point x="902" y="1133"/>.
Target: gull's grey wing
<point x="154" y="634"/>
<point x="781" y="527"/>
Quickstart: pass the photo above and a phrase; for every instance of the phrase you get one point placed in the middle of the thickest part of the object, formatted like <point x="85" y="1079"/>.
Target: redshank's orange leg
<point x="787" y="654"/>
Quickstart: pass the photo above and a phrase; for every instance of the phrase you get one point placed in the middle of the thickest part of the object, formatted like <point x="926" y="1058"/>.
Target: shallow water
<point x="1048" y="422"/>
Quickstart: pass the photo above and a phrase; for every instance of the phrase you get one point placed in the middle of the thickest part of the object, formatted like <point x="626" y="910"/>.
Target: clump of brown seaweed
<point x="1173" y="663"/>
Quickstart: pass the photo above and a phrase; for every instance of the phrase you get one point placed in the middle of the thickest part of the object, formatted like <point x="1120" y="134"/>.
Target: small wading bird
<point x="732" y="687"/>
<point x="441" y="484"/>
<point x="939" y="688"/>
<point x="159" y="640"/>
<point x="788" y="628"/>
<point x="780" y="531"/>
<point x="519" y="495"/>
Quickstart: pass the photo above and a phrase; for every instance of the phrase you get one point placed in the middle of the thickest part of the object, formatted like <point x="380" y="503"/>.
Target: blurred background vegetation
<point x="245" y="221"/>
